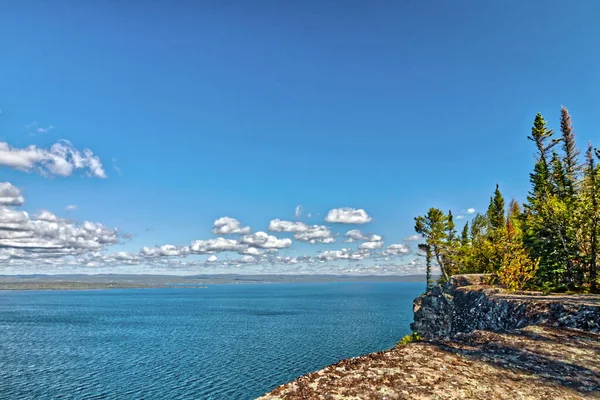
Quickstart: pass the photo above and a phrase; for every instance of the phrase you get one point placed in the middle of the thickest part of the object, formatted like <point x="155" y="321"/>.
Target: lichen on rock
<point x="466" y="304"/>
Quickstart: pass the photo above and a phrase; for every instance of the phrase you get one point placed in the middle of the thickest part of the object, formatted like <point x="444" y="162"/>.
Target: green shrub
<point x="413" y="337"/>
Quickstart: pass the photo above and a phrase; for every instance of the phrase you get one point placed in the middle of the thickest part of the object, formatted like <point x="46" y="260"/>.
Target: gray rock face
<point x="448" y="310"/>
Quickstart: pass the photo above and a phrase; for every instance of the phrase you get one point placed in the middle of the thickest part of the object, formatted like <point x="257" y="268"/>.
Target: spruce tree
<point x="591" y="216"/>
<point x="496" y="210"/>
<point x="464" y="236"/>
<point x="571" y="153"/>
<point x="542" y="137"/>
<point x="427" y="250"/>
<point x="433" y="226"/>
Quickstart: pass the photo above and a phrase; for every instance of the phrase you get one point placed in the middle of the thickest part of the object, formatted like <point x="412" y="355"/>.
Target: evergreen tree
<point x="496" y="210"/>
<point x="560" y="185"/>
<point x="542" y="137"/>
<point x="570" y="162"/>
<point x="538" y="234"/>
<point x="450" y="228"/>
<point x="553" y="239"/>
<point x="428" y="281"/>
<point x="464" y="236"/>
<point x="590" y="216"/>
<point x="434" y="228"/>
<point x="514" y="213"/>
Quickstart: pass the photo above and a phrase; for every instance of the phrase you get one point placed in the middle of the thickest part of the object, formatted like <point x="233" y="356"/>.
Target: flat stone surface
<point x="530" y="363"/>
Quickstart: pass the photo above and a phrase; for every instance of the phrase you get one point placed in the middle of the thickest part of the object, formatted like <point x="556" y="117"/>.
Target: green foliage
<point x="464" y="236"/>
<point x="428" y="258"/>
<point x="495" y="211"/>
<point x="551" y="243"/>
<point x="413" y="337"/>
<point x="434" y="227"/>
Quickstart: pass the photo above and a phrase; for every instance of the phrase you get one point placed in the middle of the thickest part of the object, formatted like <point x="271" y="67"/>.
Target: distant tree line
<point x="549" y="243"/>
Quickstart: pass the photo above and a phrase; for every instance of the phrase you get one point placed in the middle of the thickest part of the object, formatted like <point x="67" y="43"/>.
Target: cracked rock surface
<point x="535" y="362"/>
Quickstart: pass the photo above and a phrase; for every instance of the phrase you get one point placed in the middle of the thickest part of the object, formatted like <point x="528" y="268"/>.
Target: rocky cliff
<point x="466" y="304"/>
<point x="480" y="343"/>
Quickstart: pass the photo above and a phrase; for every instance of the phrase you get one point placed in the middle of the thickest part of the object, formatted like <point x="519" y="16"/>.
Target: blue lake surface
<point x="223" y="342"/>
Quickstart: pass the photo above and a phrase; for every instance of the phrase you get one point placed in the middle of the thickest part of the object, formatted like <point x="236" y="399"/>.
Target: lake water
<point x="223" y="342"/>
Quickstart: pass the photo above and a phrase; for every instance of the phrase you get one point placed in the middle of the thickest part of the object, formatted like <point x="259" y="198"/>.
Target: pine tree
<point x="428" y="281"/>
<point x="464" y="236"/>
<point x="450" y="228"/>
<point x="542" y="137"/>
<point x="570" y="162"/>
<point x="538" y="235"/>
<point x="496" y="210"/>
<point x="590" y="221"/>
<point x="434" y="228"/>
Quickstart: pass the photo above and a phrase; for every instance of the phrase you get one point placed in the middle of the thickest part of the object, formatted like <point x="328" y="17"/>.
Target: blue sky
<point x="198" y="110"/>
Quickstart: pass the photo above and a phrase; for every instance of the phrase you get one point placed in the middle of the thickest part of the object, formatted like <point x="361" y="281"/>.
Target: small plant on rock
<point x="413" y="337"/>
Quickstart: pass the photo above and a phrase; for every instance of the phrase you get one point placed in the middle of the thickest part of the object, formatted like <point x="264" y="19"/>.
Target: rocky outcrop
<point x="482" y="344"/>
<point x="466" y="304"/>
<point x="530" y="363"/>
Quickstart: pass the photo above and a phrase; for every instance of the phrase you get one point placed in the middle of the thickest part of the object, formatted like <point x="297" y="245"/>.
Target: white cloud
<point x="347" y="215"/>
<point x="228" y="226"/>
<point x="331" y="255"/>
<point x="460" y="216"/>
<point x="307" y="233"/>
<point x="71" y="207"/>
<point x="61" y="159"/>
<point x="470" y="210"/>
<point x="168" y="250"/>
<point x="413" y="238"/>
<point x="356" y="235"/>
<point x="215" y="246"/>
<point x="212" y="258"/>
<point x="371" y="245"/>
<point x="115" y="167"/>
<point x="252" y="251"/>
<point x="344" y="254"/>
<point x="298" y="211"/>
<point x="10" y="195"/>
<point x="46" y="215"/>
<point x="47" y="234"/>
<point x="248" y="259"/>
<point x="265" y="241"/>
<point x="397" y="249"/>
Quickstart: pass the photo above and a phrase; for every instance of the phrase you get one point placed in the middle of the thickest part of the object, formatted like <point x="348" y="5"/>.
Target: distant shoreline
<point x="116" y="281"/>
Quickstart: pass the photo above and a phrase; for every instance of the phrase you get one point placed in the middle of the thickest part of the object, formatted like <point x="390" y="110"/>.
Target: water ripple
<point x="224" y="342"/>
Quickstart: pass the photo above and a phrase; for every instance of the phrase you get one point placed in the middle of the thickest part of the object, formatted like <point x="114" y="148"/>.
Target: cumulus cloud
<point x="248" y="259"/>
<point x="168" y="250"/>
<point x="371" y="245"/>
<point x="215" y="246"/>
<point x="50" y="235"/>
<point x="61" y="159"/>
<point x="470" y="210"/>
<point x="45" y="215"/>
<point x="71" y="207"/>
<point x="397" y="249"/>
<point x="303" y="232"/>
<point x="347" y="215"/>
<point x="10" y="195"/>
<point x="413" y="238"/>
<point x="331" y="255"/>
<point x="252" y="251"/>
<point x="298" y="211"/>
<point x="355" y="235"/>
<point x="460" y="216"/>
<point x="47" y="242"/>
<point x="265" y="241"/>
<point x="228" y="226"/>
<point x="344" y="254"/>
